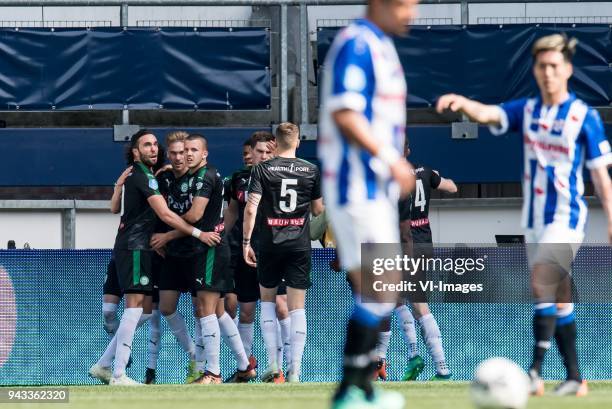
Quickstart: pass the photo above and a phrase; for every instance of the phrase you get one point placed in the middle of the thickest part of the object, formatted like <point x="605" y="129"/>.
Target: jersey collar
<point x="142" y="167"/>
<point x="371" y="26"/>
<point x="571" y="98"/>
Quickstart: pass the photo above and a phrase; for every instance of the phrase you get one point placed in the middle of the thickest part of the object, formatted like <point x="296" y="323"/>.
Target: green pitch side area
<point x="419" y="395"/>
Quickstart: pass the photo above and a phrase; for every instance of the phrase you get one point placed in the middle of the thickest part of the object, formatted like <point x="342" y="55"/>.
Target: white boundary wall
<point x="453" y="221"/>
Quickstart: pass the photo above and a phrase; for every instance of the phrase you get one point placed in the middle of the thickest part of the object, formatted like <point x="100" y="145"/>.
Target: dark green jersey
<point x="137" y="217"/>
<point x="206" y="182"/>
<point x="176" y="192"/>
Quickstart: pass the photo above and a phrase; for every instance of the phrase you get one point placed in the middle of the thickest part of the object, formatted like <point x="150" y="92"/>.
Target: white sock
<point x="106" y="360"/>
<point x="125" y="336"/>
<point x="109" y="313"/>
<point x="382" y="345"/>
<point x="247" y="333"/>
<point x="298" y="339"/>
<point x="268" y="332"/>
<point x="211" y="337"/>
<point x="406" y="325"/>
<point x="199" y="346"/>
<point x="177" y="325"/>
<point x="285" y="326"/>
<point x="433" y="340"/>
<point x="154" y="339"/>
<point x="279" y="346"/>
<point x="230" y="335"/>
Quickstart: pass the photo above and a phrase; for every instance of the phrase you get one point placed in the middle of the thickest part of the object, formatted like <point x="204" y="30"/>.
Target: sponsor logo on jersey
<point x="273" y="222"/>
<point x="419" y="222"/>
<point x="541" y="145"/>
<point x="291" y="168"/>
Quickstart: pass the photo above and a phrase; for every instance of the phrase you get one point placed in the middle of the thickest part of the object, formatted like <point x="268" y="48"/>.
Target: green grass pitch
<point x="419" y="395"/>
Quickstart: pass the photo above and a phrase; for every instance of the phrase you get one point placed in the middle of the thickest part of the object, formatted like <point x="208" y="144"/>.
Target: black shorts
<point x="293" y="266"/>
<point x="212" y="269"/>
<point x="134" y="271"/>
<point x="282" y="288"/>
<point x="111" y="283"/>
<point x="177" y="274"/>
<point x="246" y="286"/>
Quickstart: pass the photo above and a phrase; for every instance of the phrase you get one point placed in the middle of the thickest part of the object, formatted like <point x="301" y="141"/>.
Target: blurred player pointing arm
<point x="561" y="135"/>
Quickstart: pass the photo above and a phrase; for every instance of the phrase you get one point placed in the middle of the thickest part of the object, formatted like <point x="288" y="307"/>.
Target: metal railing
<point x="56" y="23"/>
<point x="546" y="20"/>
<point x="204" y="23"/>
<point x="425" y="21"/>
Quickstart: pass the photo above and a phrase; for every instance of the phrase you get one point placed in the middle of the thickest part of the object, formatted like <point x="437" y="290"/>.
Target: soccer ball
<point x="499" y="383"/>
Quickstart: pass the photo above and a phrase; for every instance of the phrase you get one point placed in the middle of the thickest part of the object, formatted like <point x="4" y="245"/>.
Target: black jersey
<point x="137" y="217"/>
<point x="287" y="186"/>
<point x="426" y="179"/>
<point x="238" y="187"/>
<point x="207" y="182"/>
<point x="175" y="191"/>
<point x="227" y="182"/>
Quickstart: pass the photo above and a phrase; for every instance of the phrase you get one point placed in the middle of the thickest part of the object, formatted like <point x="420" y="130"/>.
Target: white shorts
<point x="553" y="244"/>
<point x="374" y="221"/>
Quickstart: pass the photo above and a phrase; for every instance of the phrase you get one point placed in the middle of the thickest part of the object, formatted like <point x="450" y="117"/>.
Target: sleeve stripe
<point x="347" y="100"/>
<point x="600" y="161"/>
<point x="502" y="128"/>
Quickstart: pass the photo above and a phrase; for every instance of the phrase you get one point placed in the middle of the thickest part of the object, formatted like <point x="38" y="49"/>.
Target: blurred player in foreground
<point x="362" y="131"/>
<point x="560" y="135"/>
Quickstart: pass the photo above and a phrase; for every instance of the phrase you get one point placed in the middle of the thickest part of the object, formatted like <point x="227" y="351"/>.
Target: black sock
<point x="565" y="335"/>
<point x="543" y="331"/>
<point x="360" y="342"/>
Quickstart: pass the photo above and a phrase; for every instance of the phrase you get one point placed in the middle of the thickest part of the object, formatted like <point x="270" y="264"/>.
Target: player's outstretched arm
<point x="355" y="127"/>
<point x="159" y="206"/>
<point x="447" y="185"/>
<point x="474" y="110"/>
<point x="230" y="215"/>
<point x="250" y="213"/>
<point x="115" y="202"/>
<point x="603" y="188"/>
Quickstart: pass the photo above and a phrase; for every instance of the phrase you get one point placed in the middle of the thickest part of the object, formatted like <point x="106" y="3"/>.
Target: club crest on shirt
<point x="153" y="184"/>
<point x="558" y="125"/>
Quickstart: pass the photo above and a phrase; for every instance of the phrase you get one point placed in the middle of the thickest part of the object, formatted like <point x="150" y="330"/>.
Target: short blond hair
<point x="556" y="42"/>
<point x="176" y="136"/>
<point x="287" y="133"/>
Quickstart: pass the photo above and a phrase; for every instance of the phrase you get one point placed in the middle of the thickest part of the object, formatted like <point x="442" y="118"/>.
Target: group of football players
<point x="226" y="268"/>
